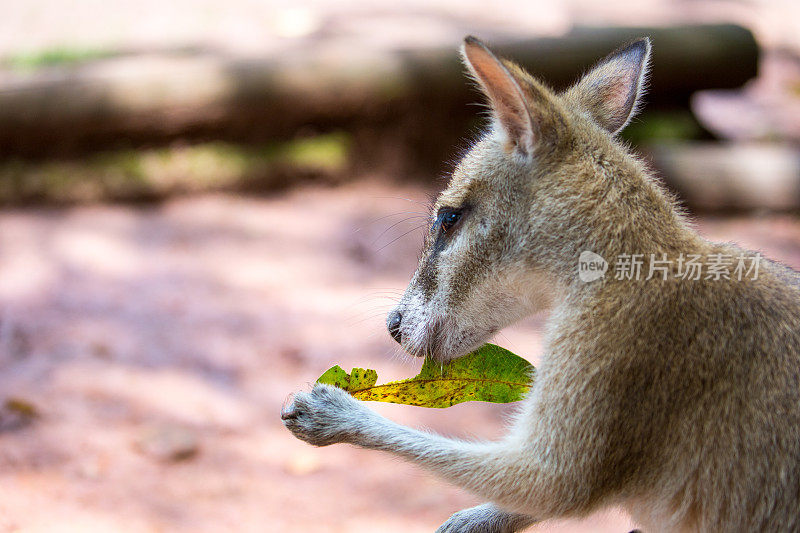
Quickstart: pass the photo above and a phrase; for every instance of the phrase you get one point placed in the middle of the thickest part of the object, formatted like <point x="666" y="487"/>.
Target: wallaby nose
<point x="393" y="323"/>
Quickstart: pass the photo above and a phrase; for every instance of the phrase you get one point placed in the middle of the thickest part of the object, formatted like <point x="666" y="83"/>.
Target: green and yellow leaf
<point x="489" y="374"/>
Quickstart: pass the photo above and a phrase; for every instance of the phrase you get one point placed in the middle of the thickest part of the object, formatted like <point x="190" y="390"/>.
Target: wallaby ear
<point x="612" y="90"/>
<point x="504" y="92"/>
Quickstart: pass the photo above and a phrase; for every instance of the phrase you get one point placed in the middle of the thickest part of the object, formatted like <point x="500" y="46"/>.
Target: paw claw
<point x="289" y="410"/>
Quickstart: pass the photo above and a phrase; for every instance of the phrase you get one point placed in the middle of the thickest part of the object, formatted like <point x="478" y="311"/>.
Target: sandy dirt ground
<point x="158" y="343"/>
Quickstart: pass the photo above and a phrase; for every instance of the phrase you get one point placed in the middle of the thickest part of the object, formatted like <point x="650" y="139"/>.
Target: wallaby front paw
<point x="324" y="416"/>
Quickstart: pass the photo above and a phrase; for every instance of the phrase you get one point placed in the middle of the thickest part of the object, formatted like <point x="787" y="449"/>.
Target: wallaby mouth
<point x="439" y="338"/>
<point x="421" y="338"/>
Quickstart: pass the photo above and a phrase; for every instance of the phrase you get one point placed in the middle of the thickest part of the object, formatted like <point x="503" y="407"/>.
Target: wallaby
<point x="675" y="397"/>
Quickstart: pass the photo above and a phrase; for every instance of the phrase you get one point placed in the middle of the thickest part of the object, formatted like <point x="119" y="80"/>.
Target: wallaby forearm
<point x="495" y="470"/>
<point x="476" y="466"/>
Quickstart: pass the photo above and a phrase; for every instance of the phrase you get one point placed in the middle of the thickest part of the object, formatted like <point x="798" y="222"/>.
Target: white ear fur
<point x="504" y="93"/>
<point x="611" y="92"/>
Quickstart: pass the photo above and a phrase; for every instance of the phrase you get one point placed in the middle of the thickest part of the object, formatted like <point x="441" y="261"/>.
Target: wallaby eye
<point x="449" y="219"/>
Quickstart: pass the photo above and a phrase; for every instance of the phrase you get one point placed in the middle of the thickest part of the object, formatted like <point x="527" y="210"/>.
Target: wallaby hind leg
<point x="486" y="518"/>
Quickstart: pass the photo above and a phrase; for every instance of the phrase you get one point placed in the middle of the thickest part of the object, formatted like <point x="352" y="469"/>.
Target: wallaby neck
<point x="634" y="220"/>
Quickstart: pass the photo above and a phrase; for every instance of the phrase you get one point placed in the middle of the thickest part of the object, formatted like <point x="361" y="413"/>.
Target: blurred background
<point x="206" y="204"/>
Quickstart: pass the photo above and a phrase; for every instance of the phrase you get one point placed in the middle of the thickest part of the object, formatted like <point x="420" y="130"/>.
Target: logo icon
<point x="591" y="266"/>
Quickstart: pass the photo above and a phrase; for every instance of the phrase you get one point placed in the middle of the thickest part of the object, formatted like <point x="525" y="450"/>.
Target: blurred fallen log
<point x="731" y="177"/>
<point x="420" y="94"/>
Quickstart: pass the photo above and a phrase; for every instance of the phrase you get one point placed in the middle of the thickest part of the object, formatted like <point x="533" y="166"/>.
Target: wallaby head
<point x="546" y="181"/>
